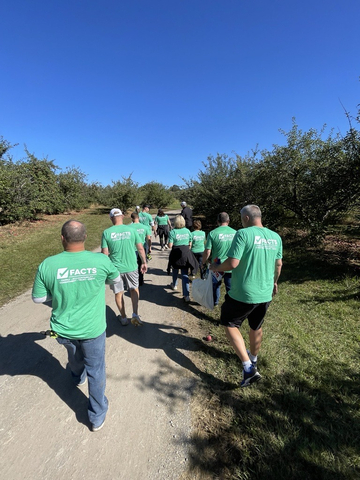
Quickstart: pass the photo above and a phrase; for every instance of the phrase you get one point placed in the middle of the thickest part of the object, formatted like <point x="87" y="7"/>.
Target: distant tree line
<point x="307" y="184"/>
<point x="32" y="187"/>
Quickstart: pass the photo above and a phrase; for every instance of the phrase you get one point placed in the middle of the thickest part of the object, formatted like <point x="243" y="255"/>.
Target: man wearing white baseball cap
<point x="119" y="243"/>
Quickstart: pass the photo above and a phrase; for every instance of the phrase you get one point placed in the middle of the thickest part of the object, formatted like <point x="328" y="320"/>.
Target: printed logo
<point x="264" y="243"/>
<point x="70" y="275"/>
<point x="226" y="237"/>
<point x="62" y="273"/>
<point x="120" y="236"/>
<point x="184" y="236"/>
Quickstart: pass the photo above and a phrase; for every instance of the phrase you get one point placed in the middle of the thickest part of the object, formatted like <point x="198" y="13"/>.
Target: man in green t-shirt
<point x="255" y="259"/>
<point x="144" y="232"/>
<point x="120" y="242"/>
<point x="217" y="245"/>
<point x="74" y="281"/>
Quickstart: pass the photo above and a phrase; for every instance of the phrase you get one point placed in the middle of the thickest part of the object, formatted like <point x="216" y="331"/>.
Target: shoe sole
<point x="82" y="383"/>
<point x="251" y="380"/>
<point x="136" y="322"/>
<point x="96" y="429"/>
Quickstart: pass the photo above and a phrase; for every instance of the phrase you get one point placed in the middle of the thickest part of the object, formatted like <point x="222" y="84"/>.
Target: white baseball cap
<point x="115" y="212"/>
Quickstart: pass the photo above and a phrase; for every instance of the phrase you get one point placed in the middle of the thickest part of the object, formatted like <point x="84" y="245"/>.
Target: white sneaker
<point x="135" y="320"/>
<point x="123" y="321"/>
<point x="173" y="287"/>
<point x="166" y="247"/>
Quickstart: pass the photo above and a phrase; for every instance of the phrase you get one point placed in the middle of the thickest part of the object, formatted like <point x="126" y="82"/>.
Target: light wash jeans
<point x="184" y="278"/>
<point x="87" y="359"/>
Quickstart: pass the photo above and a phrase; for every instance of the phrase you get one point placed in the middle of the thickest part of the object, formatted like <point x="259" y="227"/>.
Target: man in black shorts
<point x="255" y="258"/>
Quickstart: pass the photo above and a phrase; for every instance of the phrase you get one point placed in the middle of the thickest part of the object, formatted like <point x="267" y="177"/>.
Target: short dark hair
<point x="134" y="215"/>
<point x="223" y="217"/>
<point x="74" y="231"/>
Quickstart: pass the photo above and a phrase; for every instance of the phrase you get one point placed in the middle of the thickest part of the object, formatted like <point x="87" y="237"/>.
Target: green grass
<point x="303" y="420"/>
<point x="24" y="246"/>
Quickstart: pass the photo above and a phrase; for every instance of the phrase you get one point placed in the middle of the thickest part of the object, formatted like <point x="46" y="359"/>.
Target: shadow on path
<point x="21" y="355"/>
<point x="171" y="340"/>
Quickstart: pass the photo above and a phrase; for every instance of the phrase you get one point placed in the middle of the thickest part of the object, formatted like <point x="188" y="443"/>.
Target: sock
<point x="253" y="358"/>
<point x="247" y="366"/>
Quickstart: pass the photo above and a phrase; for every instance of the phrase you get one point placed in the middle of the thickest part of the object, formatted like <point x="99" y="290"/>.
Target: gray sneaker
<point x="123" y="321"/>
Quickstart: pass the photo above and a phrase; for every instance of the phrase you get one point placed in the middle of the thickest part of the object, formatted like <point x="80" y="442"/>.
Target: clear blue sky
<point x="152" y="87"/>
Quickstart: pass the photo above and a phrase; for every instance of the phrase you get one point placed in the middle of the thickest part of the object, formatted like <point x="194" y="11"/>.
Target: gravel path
<point x="44" y="431"/>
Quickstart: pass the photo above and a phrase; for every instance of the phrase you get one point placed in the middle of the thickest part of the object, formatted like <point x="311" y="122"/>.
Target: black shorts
<point x="233" y="313"/>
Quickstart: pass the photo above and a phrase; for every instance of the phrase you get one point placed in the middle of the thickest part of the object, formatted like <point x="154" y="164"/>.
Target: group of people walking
<point x="249" y="259"/>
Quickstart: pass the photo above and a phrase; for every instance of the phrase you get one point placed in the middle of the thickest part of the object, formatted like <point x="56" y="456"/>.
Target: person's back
<point x="77" y="284"/>
<point x="186" y="213"/>
<point x="142" y="230"/>
<point x="121" y="241"/>
<point x="180" y="237"/>
<point x="219" y="241"/>
<point x="253" y="279"/>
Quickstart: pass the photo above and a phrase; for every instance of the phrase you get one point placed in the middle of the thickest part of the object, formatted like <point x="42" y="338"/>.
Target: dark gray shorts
<point x="233" y="313"/>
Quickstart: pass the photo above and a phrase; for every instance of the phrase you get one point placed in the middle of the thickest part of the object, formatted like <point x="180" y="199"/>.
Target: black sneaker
<point x="250" y="377"/>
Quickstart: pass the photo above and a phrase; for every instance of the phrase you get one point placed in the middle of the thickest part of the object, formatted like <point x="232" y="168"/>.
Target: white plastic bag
<point x="202" y="291"/>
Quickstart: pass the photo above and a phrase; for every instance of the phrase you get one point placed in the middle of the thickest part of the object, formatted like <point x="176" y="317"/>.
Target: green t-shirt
<point x="76" y="283"/>
<point x="179" y="236"/>
<point x="162" y="220"/>
<point x="197" y="241"/>
<point x="121" y="241"/>
<point x="219" y="242"/>
<point x="142" y="230"/>
<point x="257" y="249"/>
<point x="146" y="218"/>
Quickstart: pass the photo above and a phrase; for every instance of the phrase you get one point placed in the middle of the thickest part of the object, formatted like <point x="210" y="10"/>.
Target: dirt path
<point x="44" y="431"/>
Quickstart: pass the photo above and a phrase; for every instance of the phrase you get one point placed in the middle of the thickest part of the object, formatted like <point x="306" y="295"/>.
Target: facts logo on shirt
<point x="62" y="273"/>
<point x="265" y="243"/>
<point x="120" y="236"/>
<point x="69" y="275"/>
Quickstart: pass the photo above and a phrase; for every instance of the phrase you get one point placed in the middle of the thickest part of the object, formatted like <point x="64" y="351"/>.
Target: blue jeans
<point x="216" y="286"/>
<point x="184" y="278"/>
<point x="87" y="359"/>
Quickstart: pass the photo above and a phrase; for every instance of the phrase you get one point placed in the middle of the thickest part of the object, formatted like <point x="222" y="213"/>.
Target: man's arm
<point x="47" y="298"/>
<point x="141" y="251"/>
<point x="229" y="264"/>
<point x="206" y="255"/>
<point x="278" y="266"/>
<point x="105" y="251"/>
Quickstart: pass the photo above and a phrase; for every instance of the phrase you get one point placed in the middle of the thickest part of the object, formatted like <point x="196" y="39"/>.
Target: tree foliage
<point x="122" y="194"/>
<point x="155" y="194"/>
<point x="224" y="185"/>
<point x="310" y="180"/>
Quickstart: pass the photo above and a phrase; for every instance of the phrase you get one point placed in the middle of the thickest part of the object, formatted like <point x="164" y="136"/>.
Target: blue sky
<point x="151" y="88"/>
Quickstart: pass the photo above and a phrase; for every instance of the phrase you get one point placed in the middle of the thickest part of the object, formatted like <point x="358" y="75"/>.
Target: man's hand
<point x="275" y="289"/>
<point x="143" y="268"/>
